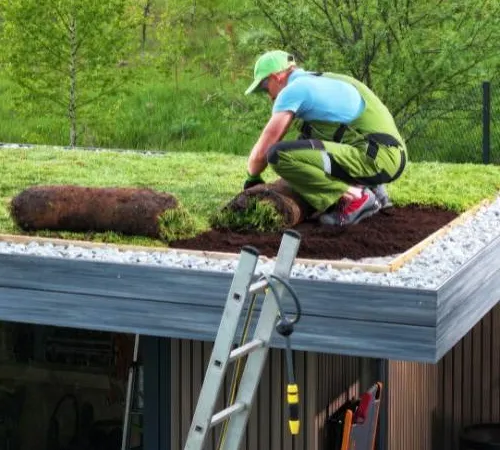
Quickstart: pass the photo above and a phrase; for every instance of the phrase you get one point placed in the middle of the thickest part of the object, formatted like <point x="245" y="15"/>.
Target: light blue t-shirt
<point x="313" y="97"/>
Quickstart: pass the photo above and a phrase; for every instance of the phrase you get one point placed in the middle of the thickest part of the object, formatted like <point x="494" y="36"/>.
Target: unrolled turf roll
<point x="287" y="203"/>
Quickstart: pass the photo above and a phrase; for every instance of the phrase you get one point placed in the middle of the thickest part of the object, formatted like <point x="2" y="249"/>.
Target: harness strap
<point x="332" y="168"/>
<point x="373" y="139"/>
<point x="384" y="139"/>
<point x="305" y="131"/>
<point x="339" y="133"/>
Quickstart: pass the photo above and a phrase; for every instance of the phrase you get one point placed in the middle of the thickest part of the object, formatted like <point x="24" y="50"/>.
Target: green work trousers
<point x="322" y="171"/>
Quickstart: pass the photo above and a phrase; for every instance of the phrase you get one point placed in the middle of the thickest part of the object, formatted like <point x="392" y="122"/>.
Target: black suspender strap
<point x="339" y="133"/>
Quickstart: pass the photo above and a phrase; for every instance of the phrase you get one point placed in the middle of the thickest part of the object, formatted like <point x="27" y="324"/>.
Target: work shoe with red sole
<point x="350" y="212"/>
<point x="382" y="196"/>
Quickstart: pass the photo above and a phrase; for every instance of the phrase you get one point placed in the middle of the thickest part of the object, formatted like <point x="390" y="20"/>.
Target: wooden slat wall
<point x="471" y="374"/>
<point x="325" y="382"/>
<point x="413" y="396"/>
<point x="430" y="404"/>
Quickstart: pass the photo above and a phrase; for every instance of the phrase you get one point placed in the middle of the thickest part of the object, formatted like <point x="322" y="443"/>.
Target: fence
<point x="461" y="129"/>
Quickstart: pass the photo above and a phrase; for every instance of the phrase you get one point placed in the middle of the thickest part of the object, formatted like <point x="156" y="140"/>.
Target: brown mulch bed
<point x="388" y="232"/>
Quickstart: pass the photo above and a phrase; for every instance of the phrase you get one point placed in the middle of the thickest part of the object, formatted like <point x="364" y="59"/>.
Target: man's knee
<point x="273" y="154"/>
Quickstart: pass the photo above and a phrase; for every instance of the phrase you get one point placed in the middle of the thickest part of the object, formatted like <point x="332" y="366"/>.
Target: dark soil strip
<point x="386" y="233"/>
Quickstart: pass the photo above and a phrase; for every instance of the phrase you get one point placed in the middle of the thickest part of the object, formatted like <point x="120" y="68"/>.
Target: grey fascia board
<point x="344" y="318"/>
<point x="368" y="302"/>
<point x="466" y="296"/>
<point x="320" y="298"/>
<point x="339" y="318"/>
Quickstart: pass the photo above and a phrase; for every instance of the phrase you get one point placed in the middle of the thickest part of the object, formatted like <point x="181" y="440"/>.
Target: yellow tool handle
<point x="292" y="391"/>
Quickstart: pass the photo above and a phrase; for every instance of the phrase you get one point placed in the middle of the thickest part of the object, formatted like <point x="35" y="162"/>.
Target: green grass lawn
<point x="203" y="182"/>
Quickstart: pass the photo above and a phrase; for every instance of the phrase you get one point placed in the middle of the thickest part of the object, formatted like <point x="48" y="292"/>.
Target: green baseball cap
<point x="270" y="62"/>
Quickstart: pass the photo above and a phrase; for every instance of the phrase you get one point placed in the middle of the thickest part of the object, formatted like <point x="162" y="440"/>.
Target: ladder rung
<point x="225" y="413"/>
<point x="258" y="286"/>
<point x="245" y="349"/>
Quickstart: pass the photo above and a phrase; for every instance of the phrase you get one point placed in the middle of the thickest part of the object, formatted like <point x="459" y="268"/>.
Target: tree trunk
<point x="193" y="13"/>
<point x="147" y="10"/>
<point x="72" y="85"/>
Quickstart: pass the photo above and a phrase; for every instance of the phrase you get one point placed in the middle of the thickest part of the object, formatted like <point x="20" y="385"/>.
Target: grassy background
<point x="198" y="115"/>
<point x="209" y="114"/>
<point x="203" y="183"/>
<point x="201" y="106"/>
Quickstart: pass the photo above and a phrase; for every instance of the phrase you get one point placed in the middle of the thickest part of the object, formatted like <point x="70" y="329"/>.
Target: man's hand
<point x="252" y="180"/>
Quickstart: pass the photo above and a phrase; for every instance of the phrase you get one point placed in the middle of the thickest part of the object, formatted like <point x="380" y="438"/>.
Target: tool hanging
<point x="284" y="327"/>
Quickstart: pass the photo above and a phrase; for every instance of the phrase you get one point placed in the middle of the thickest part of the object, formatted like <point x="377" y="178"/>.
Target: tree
<point x="414" y="53"/>
<point x="172" y="34"/>
<point x="68" y="53"/>
<point x="202" y="34"/>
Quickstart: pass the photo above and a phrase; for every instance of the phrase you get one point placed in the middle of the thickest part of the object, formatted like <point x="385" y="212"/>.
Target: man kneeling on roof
<point x="349" y="145"/>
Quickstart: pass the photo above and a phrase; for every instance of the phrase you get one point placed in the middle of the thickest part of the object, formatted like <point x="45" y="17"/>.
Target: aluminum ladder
<point x="133" y="396"/>
<point x="257" y="348"/>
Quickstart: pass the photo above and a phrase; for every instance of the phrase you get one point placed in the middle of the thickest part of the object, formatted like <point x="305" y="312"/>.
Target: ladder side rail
<point x="129" y="400"/>
<point x="219" y="360"/>
<point x="265" y="326"/>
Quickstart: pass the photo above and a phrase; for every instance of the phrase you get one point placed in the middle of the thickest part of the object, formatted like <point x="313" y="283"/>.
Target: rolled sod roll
<point x="290" y="206"/>
<point x="82" y="209"/>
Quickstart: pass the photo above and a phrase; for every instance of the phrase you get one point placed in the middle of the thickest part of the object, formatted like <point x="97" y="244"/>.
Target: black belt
<point x="373" y="139"/>
<point x="306" y="132"/>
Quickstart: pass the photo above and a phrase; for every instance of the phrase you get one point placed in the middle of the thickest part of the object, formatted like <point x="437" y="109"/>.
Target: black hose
<point x="53" y="431"/>
<point x="285" y="328"/>
<point x="290" y="290"/>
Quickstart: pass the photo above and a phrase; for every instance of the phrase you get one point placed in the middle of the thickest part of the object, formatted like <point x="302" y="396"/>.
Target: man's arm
<point x="273" y="132"/>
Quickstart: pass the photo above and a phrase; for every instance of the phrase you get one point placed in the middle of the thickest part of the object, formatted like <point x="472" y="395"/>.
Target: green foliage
<point x="176" y="224"/>
<point x="414" y="54"/>
<point x="171" y="33"/>
<point x="183" y="90"/>
<point x="68" y="54"/>
<point x="202" y="36"/>
<point x="260" y="215"/>
<point x="192" y="117"/>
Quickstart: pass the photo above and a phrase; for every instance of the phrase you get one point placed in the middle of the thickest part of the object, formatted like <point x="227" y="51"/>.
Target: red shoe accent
<point x="354" y="205"/>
